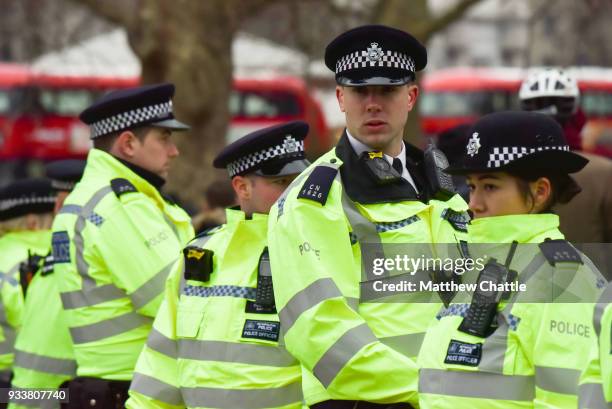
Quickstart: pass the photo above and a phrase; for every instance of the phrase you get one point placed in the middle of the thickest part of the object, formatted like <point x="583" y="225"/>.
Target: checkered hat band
<point x="504" y="155"/>
<point x="250" y="161"/>
<point x="360" y="59"/>
<point x="8" y="204"/>
<point x="62" y="185"/>
<point x="127" y="119"/>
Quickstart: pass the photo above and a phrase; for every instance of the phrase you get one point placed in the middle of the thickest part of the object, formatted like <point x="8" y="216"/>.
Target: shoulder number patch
<point x="459" y="220"/>
<point x="60" y="247"/>
<point x="318" y="184"/>
<point x="121" y="186"/>
<point x="264" y="330"/>
<point x="559" y="251"/>
<point x="463" y="353"/>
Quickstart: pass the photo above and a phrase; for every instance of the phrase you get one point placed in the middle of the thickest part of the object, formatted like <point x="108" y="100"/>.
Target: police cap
<point x="517" y="140"/>
<point x="375" y="55"/>
<point x="26" y="196"/>
<point x="274" y="151"/>
<point x="149" y="105"/>
<point x="64" y="174"/>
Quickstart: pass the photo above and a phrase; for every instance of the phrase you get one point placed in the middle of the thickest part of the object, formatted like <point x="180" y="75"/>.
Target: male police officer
<point x="215" y="341"/>
<point x="368" y="191"/>
<point x="26" y="213"/>
<point x="116" y="238"/>
<point x="39" y="362"/>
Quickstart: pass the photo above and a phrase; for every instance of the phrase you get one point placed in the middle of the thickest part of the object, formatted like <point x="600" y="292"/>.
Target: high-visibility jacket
<point x="114" y="243"/>
<point x="534" y="356"/>
<point x="595" y="391"/>
<point x="212" y="345"/>
<point x="332" y="218"/>
<point x="44" y="356"/>
<point x="14" y="248"/>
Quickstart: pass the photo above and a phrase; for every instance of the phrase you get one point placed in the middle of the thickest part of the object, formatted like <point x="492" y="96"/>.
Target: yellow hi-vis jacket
<point x="352" y="346"/>
<point x="212" y="345"/>
<point x="534" y="357"/>
<point x="596" y="381"/>
<point x="14" y="247"/>
<point x="114" y="243"/>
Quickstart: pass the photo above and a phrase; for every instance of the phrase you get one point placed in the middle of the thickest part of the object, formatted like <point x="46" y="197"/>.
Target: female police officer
<point x="515" y="349"/>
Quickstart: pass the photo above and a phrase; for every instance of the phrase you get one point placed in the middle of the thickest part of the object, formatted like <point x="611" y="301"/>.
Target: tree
<point x="187" y="43"/>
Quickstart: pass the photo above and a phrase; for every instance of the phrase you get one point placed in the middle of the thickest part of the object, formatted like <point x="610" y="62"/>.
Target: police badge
<point x="473" y="145"/>
<point x="290" y="144"/>
<point x="374" y="52"/>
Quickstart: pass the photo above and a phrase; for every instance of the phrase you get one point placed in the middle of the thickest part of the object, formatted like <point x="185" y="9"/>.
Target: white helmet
<point x="549" y="82"/>
<point x="551" y="91"/>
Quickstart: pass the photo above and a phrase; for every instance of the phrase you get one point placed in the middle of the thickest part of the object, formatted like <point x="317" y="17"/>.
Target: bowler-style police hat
<point x="150" y="105"/>
<point x="64" y="174"/>
<point x="375" y="55"/>
<point x="25" y="196"/>
<point x="519" y="140"/>
<point x="274" y="151"/>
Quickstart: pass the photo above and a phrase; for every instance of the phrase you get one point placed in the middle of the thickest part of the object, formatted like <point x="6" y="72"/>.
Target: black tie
<point x="397" y="165"/>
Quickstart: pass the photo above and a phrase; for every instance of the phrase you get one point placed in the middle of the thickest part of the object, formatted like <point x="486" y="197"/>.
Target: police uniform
<point x="332" y="219"/>
<point x="523" y="348"/>
<point x="44" y="356"/>
<point x="114" y="242"/>
<point x="216" y="342"/>
<point x="19" y="249"/>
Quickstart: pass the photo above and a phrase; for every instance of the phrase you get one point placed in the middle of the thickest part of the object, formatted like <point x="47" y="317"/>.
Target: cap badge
<point x="375" y="53"/>
<point x="473" y="145"/>
<point x="289" y="144"/>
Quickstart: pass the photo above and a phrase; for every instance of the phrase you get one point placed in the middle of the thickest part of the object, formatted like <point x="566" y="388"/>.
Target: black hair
<point x="563" y="187"/>
<point x="105" y="142"/>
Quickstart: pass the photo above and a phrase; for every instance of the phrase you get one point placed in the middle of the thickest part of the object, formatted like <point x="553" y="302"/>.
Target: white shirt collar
<point x="360" y="147"/>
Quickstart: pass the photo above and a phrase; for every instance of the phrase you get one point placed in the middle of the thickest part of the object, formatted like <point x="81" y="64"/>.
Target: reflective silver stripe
<point x="161" y="343"/>
<point x="7" y="346"/>
<point x="220" y="351"/>
<point x="91" y="296"/>
<point x="81" y="264"/>
<point x="242" y="398"/>
<point x="558" y="380"/>
<point x="604" y="300"/>
<point x="45" y="364"/>
<point x="495" y="346"/>
<point x="408" y="344"/>
<point x="156" y="389"/>
<point x="591" y="396"/>
<point x="70" y="209"/>
<point x="338" y="355"/>
<point x="366" y="232"/>
<point x="483" y="385"/>
<point x="172" y="226"/>
<point x="151" y="289"/>
<point x="108" y="328"/>
<point x="316" y="292"/>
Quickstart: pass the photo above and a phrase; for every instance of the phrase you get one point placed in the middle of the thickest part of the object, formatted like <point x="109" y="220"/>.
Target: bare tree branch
<point x="449" y="17"/>
<point x="120" y="12"/>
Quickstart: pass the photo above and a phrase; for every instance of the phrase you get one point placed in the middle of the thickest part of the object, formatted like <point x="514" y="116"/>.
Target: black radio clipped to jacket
<point x="481" y="315"/>
<point x="440" y="183"/>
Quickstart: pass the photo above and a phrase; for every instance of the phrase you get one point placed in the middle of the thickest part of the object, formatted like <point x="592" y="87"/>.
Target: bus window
<point x="273" y="104"/>
<point x="596" y="104"/>
<point x="67" y="102"/>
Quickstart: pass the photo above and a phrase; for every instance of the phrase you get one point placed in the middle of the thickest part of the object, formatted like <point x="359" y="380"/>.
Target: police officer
<point x="116" y="238"/>
<point x="26" y="213"/>
<point x="216" y="342"/>
<point x="370" y="190"/>
<point x="511" y="346"/>
<point x="44" y="355"/>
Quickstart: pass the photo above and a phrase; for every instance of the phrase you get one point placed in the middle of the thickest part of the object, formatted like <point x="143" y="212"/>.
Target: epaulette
<point x="121" y="186"/>
<point x="318" y="184"/>
<point x="459" y="220"/>
<point x="559" y="251"/>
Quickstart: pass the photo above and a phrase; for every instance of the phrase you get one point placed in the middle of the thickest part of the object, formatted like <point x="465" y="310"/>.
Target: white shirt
<point x="360" y="147"/>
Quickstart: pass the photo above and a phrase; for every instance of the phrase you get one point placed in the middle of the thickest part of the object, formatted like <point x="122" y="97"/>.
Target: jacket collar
<point x="523" y="228"/>
<point x="361" y="186"/>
